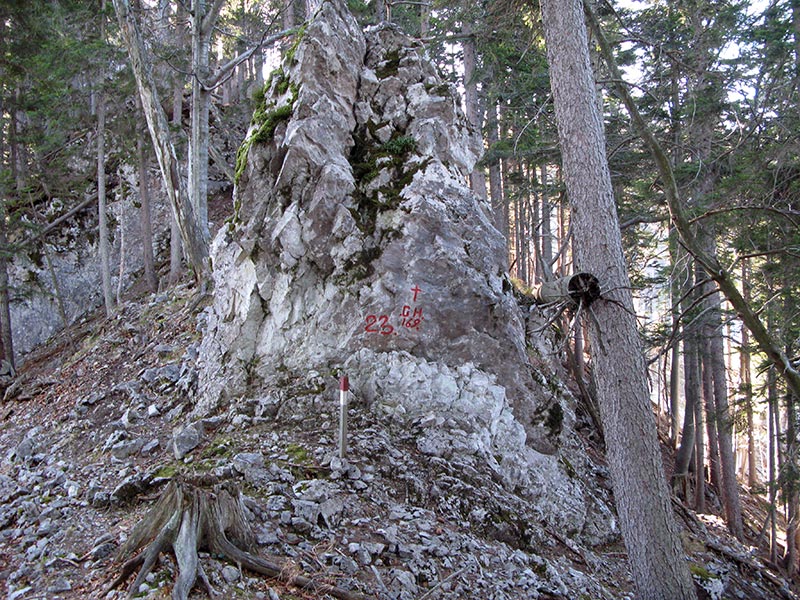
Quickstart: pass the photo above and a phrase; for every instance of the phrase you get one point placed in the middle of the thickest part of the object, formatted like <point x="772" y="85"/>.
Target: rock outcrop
<point x="358" y="248"/>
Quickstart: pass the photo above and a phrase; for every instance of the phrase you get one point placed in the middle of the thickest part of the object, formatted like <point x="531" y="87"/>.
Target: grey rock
<point x="185" y="439"/>
<point x="59" y="586"/>
<point x="18" y="593"/>
<point x="150" y="447"/>
<point x="129" y="488"/>
<point x="230" y="574"/>
<point x="126" y="448"/>
<point x="246" y="461"/>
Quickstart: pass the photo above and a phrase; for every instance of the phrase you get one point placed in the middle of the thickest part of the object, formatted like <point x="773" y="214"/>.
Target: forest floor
<point x="87" y="434"/>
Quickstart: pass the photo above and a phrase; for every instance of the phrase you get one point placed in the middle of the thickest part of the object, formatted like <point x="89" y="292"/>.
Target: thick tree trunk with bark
<point x="204" y="18"/>
<point x="643" y="502"/>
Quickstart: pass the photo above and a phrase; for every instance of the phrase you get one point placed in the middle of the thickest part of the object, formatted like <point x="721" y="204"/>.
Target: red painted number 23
<point x="379" y="324"/>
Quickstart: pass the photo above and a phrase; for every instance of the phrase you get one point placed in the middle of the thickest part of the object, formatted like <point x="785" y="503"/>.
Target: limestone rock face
<point x="357" y="247"/>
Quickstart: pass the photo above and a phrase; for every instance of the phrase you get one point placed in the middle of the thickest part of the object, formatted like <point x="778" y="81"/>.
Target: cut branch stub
<point x="581" y="288"/>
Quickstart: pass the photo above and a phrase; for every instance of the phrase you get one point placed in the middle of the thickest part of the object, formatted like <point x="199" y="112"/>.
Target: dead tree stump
<point x="187" y="518"/>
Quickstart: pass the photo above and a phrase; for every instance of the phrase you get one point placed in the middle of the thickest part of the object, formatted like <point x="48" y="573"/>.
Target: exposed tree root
<point x="187" y="518"/>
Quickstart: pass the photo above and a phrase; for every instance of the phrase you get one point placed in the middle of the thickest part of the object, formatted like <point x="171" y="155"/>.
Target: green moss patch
<point x="267" y="116"/>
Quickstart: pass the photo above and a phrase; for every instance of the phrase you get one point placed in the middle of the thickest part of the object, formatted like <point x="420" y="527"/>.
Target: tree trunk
<point x="546" y="232"/>
<point x="382" y="11"/>
<point x="496" y="178"/>
<point x="643" y="502"/>
<point x="105" y="268"/>
<point x="175" y="245"/>
<point x="730" y="486"/>
<point x="711" y="420"/>
<point x="677" y="258"/>
<point x="150" y="277"/>
<point x="194" y="240"/>
<point x="474" y="113"/>
<point x="791" y="487"/>
<point x="18" y="162"/>
<point x="683" y="457"/>
<point x="424" y="19"/>
<point x="747" y="386"/>
<point x="691" y="373"/>
<point x="200" y="107"/>
<point x="773" y="432"/>
<point x="6" y="332"/>
<point x="699" y="461"/>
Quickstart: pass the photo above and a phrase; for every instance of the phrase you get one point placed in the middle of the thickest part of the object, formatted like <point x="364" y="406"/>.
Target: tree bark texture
<point x="643" y="502"/>
<point x="204" y="18"/>
<point x="195" y="243"/>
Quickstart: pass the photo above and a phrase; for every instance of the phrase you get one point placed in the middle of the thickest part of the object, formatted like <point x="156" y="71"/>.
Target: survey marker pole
<point x="344" y="387"/>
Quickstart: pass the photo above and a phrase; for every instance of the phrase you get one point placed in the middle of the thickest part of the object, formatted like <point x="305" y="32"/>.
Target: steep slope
<point x="88" y="441"/>
<point x="355" y="249"/>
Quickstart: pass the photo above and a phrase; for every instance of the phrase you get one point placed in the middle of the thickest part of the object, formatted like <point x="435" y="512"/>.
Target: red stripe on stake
<point x="344" y="384"/>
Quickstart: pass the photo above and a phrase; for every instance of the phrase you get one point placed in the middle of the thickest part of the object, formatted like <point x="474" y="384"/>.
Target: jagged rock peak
<point x="357" y="247"/>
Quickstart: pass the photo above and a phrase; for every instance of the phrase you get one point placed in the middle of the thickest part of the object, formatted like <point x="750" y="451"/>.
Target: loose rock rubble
<point x="393" y="520"/>
<point x="469" y="472"/>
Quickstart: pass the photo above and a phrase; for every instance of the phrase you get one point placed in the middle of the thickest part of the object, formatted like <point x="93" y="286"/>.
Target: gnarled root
<point x="187" y="518"/>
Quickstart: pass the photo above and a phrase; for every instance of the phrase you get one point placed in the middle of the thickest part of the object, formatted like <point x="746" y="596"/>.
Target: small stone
<point x="126" y="448"/>
<point x="230" y="574"/>
<point x="247" y="460"/>
<point x="59" y="586"/>
<point x="152" y="411"/>
<point x="149" y="447"/>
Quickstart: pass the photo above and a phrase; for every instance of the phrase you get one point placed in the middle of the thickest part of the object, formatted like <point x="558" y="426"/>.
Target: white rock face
<point x="358" y="248"/>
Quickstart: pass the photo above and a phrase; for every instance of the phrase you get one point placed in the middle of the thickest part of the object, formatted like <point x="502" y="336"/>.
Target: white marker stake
<point x="344" y="387"/>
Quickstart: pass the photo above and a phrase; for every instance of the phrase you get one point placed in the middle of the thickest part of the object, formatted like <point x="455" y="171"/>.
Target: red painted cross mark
<point x="416" y="289"/>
